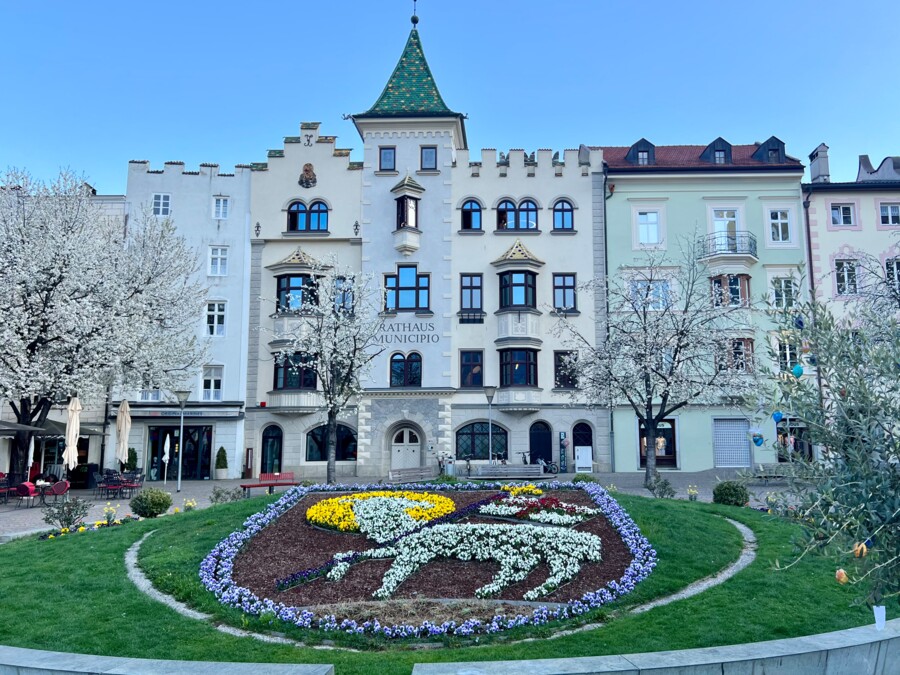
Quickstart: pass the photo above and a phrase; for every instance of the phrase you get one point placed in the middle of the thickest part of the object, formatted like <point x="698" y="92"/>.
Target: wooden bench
<point x="510" y="471"/>
<point x="270" y="481"/>
<point x="413" y="475"/>
<point x="779" y="471"/>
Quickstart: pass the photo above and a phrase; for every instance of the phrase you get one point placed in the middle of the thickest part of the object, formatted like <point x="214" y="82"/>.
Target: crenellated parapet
<point x="543" y="162"/>
<point x="173" y="168"/>
<point x="309" y="142"/>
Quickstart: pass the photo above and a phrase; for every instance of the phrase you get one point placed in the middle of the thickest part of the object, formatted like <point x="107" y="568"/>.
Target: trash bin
<point x="449" y="468"/>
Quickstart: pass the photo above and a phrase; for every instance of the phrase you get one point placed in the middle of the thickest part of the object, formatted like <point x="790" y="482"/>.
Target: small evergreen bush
<point x="583" y="478"/>
<point x="131" y="464"/>
<point x="69" y="514"/>
<point x="661" y="488"/>
<point x="730" y="492"/>
<point x="151" y="502"/>
<point x="221" y="458"/>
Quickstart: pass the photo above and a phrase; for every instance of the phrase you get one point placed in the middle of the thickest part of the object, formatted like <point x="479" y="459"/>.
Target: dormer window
<point x="717" y="152"/>
<point x="770" y="152"/>
<point x="773" y="155"/>
<point x="719" y="157"/>
<point x="407" y="212"/>
<point x="643" y="157"/>
<point x="642" y="153"/>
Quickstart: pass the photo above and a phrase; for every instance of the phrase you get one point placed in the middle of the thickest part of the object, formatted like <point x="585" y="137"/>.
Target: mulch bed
<point x="291" y="544"/>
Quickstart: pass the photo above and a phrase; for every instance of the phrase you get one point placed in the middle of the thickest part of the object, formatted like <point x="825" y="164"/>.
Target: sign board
<point x="563" y="455"/>
<point x="584" y="459"/>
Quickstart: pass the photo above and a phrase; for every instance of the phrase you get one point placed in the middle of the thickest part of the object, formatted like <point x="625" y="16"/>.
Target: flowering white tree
<point x="335" y="336"/>
<point x="675" y="336"/>
<point x="87" y="300"/>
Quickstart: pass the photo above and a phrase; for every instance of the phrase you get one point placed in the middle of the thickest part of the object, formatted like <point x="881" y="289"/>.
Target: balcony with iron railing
<point x="729" y="246"/>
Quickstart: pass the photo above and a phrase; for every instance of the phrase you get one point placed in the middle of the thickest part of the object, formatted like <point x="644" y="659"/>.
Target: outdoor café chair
<point x="26" y="491"/>
<point x="59" y="489"/>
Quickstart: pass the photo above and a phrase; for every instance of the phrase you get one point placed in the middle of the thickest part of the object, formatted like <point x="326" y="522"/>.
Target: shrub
<point x="151" y="502"/>
<point x="221" y="458"/>
<point x="730" y="492"/>
<point x="583" y="478"/>
<point x="661" y="488"/>
<point x="68" y="514"/>
<point x="131" y="464"/>
<point x="222" y="495"/>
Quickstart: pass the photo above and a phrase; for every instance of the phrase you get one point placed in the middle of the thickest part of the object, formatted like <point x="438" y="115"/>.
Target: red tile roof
<point x="688" y="156"/>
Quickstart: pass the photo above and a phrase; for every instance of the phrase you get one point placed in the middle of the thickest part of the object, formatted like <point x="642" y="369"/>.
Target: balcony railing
<point x="722" y="243"/>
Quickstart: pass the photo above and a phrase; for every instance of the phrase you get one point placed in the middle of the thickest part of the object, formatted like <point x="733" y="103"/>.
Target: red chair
<point x="60" y="488"/>
<point x="26" y="491"/>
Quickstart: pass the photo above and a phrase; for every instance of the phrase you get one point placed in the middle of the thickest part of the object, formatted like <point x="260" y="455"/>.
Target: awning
<point x="11" y="428"/>
<point x="53" y="428"/>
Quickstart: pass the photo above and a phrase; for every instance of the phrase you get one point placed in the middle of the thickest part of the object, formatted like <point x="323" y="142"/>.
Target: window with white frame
<point x="643" y="157"/>
<point x="151" y="395"/>
<point x="788" y="355"/>
<point x="220" y="208"/>
<point x="215" y="319"/>
<point x="890" y="214"/>
<point x="212" y="383"/>
<point x="218" y="261"/>
<point x="737" y="356"/>
<point x="784" y="292"/>
<point x="648" y="228"/>
<point x="162" y="204"/>
<point x="892" y="274"/>
<point x="843" y="215"/>
<point x="719" y="157"/>
<point x="845" y="276"/>
<point x="656" y="294"/>
<point x="779" y="226"/>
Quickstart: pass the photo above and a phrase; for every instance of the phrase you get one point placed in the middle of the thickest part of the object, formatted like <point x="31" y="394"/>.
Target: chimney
<point x="818" y="165"/>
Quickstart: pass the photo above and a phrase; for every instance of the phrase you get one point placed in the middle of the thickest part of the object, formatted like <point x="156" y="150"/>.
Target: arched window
<point x="472" y="441"/>
<point x="318" y="217"/>
<point x="582" y="435"/>
<point x="471" y="215"/>
<point x="298" y="217"/>
<point x="527" y="217"/>
<point x="317" y="448"/>
<point x="406" y="371"/>
<point x="563" y="215"/>
<point x="506" y="215"/>
<point x="271" y="450"/>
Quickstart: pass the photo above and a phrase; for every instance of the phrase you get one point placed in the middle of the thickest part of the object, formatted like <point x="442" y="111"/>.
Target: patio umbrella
<point x="73" y="427"/>
<point x="30" y="459"/>
<point x="123" y="428"/>
<point x="165" y="458"/>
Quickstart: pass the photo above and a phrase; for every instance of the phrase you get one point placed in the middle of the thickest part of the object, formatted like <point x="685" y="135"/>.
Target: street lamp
<point x="182" y="399"/>
<point x="489" y="395"/>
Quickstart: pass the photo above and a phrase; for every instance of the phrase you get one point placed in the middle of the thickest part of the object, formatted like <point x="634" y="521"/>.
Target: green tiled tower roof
<point x="411" y="90"/>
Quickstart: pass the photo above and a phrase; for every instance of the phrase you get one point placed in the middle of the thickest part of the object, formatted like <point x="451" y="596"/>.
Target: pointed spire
<point x="411" y="90"/>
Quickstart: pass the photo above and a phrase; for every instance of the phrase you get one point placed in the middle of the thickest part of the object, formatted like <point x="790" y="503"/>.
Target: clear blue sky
<point x="91" y="85"/>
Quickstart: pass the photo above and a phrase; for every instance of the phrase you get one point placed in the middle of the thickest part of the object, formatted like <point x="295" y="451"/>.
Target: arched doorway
<point x="583" y="447"/>
<point x="271" y="450"/>
<point x="540" y="442"/>
<point x="406" y="449"/>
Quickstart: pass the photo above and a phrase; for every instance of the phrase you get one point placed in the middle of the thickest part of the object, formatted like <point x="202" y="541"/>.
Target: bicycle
<point x="468" y="460"/>
<point x="548" y="467"/>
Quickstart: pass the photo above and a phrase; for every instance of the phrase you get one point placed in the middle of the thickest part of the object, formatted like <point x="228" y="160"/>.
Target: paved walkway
<point x="17" y="521"/>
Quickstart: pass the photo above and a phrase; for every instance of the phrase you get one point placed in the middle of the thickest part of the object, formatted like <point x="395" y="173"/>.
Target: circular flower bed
<point x="217" y="569"/>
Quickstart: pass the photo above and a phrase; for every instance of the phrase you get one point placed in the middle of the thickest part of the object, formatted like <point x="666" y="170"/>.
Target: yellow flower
<point x="177" y="510"/>
<point x="82" y="528"/>
<point x="51" y="537"/>
<point x="64" y="530"/>
<point x="337" y="512"/>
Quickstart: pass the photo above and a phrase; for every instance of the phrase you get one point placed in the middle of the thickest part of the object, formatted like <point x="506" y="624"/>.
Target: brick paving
<point x="17" y="521"/>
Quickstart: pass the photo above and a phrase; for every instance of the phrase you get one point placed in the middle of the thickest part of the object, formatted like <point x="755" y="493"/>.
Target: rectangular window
<point x="842" y="215"/>
<point x="655" y="294"/>
<point x="215" y="319"/>
<point x="845" y="276"/>
<point x="161" y="205"/>
<point x="643" y="157"/>
<point x="666" y="452"/>
<point x="470" y="293"/>
<point x="220" y="208"/>
<point x="212" y="383"/>
<point x="788" y="356"/>
<point x="890" y="214"/>
<point x="563" y="375"/>
<point x="779" y="226"/>
<point x="294" y="290"/>
<point x="784" y="292"/>
<point x="518" y="368"/>
<point x="648" y="228"/>
<point x="294" y="372"/>
<point x="428" y="158"/>
<point x="151" y="395"/>
<point x="471" y="368"/>
<point x="517" y="289"/>
<point x="387" y="159"/>
<point x="407" y="290"/>
<point x="731" y="290"/>
<point x="564" y="293"/>
<point x="892" y="275"/>
<point x="218" y="261"/>
<point x="407" y="212"/>
<point x="719" y="157"/>
<point x="739" y="356"/>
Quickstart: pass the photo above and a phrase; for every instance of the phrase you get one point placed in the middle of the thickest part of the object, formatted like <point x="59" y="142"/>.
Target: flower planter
<point x="221" y="474"/>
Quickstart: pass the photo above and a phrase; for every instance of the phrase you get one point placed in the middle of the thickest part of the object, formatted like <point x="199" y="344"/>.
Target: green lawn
<point x="72" y="594"/>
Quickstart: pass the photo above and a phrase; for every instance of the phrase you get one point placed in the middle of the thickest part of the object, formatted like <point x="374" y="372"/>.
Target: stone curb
<point x="862" y="651"/>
